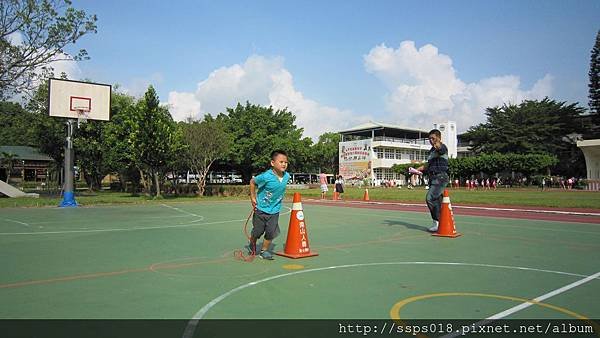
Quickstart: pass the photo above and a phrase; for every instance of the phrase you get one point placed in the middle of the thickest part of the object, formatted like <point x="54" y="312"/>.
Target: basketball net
<point x="82" y="115"/>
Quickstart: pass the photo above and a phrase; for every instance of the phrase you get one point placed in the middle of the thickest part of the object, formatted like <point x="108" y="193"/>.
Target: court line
<point x="18" y="222"/>
<point x="527" y="304"/>
<point x="541" y="211"/>
<point x="139" y="218"/>
<point x="180" y="210"/>
<point x="188" y="224"/>
<point x="193" y="323"/>
<point x="151" y="268"/>
<point x="543" y="297"/>
<point x="192" y="223"/>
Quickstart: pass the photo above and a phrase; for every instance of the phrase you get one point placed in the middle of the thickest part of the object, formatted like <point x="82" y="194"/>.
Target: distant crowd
<point x="476" y="183"/>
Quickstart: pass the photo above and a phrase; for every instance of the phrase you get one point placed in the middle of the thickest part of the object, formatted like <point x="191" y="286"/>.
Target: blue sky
<point x="336" y="64"/>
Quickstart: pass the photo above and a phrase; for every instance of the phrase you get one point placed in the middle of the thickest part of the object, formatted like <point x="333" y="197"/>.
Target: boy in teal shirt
<point x="266" y="194"/>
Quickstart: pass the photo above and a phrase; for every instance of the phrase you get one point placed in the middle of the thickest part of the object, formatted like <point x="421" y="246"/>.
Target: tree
<point x="326" y="152"/>
<point x="155" y="138"/>
<point x="119" y="156"/>
<point x="205" y="142"/>
<point x="258" y="131"/>
<point x="48" y="133"/>
<point x="594" y="84"/>
<point x="90" y="148"/>
<point x="16" y="129"/>
<point x="491" y="164"/>
<point x="533" y="127"/>
<point x="34" y="33"/>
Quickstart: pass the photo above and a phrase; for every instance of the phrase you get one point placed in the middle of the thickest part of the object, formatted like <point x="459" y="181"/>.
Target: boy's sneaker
<point x="251" y="247"/>
<point x="434" y="227"/>
<point x="264" y="254"/>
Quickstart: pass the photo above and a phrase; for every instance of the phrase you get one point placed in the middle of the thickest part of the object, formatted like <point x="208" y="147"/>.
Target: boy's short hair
<point x="275" y="153"/>
<point x="435" y="132"/>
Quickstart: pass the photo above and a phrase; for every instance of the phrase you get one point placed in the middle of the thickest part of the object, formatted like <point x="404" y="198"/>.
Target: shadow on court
<point x="406" y="225"/>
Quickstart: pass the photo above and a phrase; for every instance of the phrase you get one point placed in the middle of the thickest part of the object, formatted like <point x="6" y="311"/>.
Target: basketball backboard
<point x="71" y="99"/>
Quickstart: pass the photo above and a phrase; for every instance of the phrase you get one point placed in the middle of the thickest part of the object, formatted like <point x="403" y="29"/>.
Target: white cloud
<point x="138" y="86"/>
<point x="184" y="105"/>
<point x="264" y="81"/>
<point x="69" y="67"/>
<point x="424" y="88"/>
<point x="15" y="39"/>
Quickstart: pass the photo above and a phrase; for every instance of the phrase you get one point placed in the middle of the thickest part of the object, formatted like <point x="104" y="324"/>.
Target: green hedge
<point x="491" y="164"/>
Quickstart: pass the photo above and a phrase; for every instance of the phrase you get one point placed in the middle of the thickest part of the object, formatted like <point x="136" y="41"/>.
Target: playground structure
<point x="11" y="191"/>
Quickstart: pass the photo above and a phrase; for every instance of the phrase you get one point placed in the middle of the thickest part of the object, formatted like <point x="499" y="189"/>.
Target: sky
<point x="337" y="64"/>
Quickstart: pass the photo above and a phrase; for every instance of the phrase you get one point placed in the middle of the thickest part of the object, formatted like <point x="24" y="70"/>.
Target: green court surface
<point x="176" y="261"/>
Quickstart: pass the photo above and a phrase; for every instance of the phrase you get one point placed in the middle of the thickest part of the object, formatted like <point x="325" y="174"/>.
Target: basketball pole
<point x="68" y="190"/>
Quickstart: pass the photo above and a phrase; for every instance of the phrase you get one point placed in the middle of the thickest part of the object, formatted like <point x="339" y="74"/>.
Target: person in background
<point x="323" y="182"/>
<point x="339" y="186"/>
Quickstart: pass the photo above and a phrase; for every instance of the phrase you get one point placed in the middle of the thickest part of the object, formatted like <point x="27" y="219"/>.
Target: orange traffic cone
<point x="366" y="195"/>
<point x="296" y="245"/>
<point x="446" y="226"/>
<point x="336" y="195"/>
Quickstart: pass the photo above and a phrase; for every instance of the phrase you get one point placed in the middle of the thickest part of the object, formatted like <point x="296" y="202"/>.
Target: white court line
<point x="468" y="207"/>
<point x="525" y="305"/>
<point x="139" y="218"/>
<point x="192" y="223"/>
<point x="543" y="297"/>
<point x="180" y="210"/>
<point x="22" y="223"/>
<point x="193" y="323"/>
<point x="184" y="225"/>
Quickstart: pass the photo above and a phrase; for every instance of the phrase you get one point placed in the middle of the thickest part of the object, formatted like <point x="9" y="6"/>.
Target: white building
<point x="371" y="149"/>
<point x="591" y="151"/>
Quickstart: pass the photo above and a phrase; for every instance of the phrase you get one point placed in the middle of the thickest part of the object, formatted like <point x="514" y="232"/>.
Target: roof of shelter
<point x="376" y="125"/>
<point x="25" y="153"/>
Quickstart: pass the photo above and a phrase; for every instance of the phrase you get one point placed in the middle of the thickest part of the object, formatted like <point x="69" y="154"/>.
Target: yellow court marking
<point x="395" y="310"/>
<point x="293" y="266"/>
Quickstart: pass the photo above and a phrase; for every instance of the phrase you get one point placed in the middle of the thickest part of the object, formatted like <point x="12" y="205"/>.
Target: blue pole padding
<point x="68" y="200"/>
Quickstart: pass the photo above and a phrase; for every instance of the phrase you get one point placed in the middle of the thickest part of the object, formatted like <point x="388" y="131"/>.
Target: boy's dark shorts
<point x="265" y="223"/>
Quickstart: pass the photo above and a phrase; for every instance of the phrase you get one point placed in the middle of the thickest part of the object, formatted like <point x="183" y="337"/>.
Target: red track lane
<point x="502" y="211"/>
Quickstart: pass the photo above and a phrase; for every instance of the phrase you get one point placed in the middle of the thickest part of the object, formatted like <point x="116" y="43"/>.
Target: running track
<point x="537" y="213"/>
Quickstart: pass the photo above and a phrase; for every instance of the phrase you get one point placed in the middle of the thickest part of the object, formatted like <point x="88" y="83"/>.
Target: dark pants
<point x="437" y="184"/>
<point x="263" y="223"/>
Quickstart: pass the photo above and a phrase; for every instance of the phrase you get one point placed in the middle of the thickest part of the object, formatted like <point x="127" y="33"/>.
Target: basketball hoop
<point x="83" y="113"/>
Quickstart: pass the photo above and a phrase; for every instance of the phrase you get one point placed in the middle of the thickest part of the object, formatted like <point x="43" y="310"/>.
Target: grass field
<point x="514" y="197"/>
<point x="519" y="196"/>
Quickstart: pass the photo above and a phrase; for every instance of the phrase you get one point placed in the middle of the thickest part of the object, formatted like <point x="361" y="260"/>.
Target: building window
<point x="389" y="174"/>
<point x="389" y="153"/>
<point x="378" y="173"/>
<point x="379" y="152"/>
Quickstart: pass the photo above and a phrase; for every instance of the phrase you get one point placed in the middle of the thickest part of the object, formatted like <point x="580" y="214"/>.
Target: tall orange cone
<point x="336" y="195"/>
<point x="366" y="195"/>
<point x="296" y="245"/>
<point x="446" y="226"/>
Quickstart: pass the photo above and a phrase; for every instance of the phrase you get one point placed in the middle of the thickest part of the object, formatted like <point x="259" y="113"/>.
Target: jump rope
<point x="239" y="254"/>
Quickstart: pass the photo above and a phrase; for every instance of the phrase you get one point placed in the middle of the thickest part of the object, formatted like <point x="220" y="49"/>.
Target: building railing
<point x="401" y="140"/>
